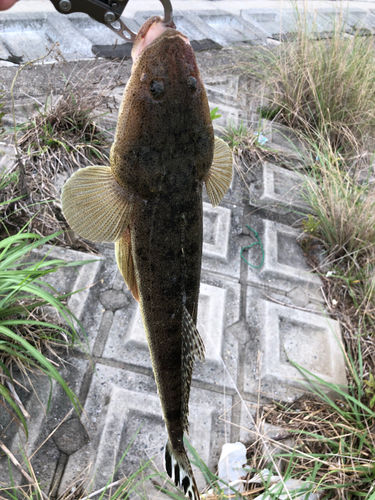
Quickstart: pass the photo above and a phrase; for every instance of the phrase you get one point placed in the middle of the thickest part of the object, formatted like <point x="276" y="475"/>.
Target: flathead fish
<point x="149" y="202"/>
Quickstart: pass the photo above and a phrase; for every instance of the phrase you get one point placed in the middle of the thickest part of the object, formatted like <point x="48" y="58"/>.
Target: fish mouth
<point x="152" y="32"/>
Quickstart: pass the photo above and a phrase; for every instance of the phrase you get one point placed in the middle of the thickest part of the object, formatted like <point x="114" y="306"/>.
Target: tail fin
<point x="179" y="470"/>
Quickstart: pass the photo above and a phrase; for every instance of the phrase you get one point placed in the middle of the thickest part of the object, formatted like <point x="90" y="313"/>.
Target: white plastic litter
<point x="297" y="490"/>
<point x="263" y="477"/>
<point x="261" y="138"/>
<point x="232" y="458"/>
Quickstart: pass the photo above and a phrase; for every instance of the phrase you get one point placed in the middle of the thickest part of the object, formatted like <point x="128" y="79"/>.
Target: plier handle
<point x="107" y="12"/>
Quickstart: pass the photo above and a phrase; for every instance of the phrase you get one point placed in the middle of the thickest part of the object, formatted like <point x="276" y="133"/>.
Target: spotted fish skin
<point x="166" y="230"/>
<point x="149" y="203"/>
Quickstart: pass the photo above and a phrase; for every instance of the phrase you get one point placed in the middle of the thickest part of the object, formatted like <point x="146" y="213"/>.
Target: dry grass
<point x="61" y="137"/>
<point x="325" y="91"/>
<point x="324" y="87"/>
<point x="333" y="446"/>
<point x="342" y="199"/>
<point x="249" y="151"/>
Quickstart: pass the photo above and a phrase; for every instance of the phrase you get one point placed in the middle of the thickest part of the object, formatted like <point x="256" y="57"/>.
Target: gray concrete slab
<point x="31" y="27"/>
<point x="31" y="35"/>
<point x="84" y="305"/>
<point x="42" y="395"/>
<point x="284" y="334"/>
<point x="119" y="404"/>
<point x="273" y="23"/>
<point x="233" y="6"/>
<point x="218" y="309"/>
<point x="277" y="189"/>
<point x="220" y="246"/>
<point x="276" y="309"/>
<point x="352" y="20"/>
<point x="284" y="270"/>
<point x="232" y="28"/>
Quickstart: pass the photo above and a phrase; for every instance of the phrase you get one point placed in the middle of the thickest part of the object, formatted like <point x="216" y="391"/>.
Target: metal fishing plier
<point x="107" y="12"/>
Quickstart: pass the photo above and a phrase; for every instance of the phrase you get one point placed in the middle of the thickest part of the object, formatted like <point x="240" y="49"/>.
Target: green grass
<point x="323" y="87"/>
<point x="342" y="202"/>
<point x="22" y="291"/>
<point x="333" y="450"/>
<point x="25" y="331"/>
<point x="236" y="136"/>
<point x="324" y="90"/>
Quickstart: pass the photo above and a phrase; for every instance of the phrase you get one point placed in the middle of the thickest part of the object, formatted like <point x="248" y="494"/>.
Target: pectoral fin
<point x="95" y="205"/>
<point x="125" y="262"/>
<point x="192" y="347"/>
<point x="219" y="177"/>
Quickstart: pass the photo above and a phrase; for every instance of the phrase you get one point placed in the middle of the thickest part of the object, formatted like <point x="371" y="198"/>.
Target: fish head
<point x="164" y="113"/>
<point x="149" y="31"/>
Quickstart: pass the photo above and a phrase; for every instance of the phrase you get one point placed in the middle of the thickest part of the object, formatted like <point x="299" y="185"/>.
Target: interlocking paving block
<point x="216" y="232"/>
<point x="85" y="304"/>
<point x="248" y="431"/>
<point x="188" y="23"/>
<point x="284" y="136"/>
<point x="220" y="248"/>
<point x="30" y="35"/>
<point x="278" y="189"/>
<point x="97" y="33"/>
<point x="276" y="24"/>
<point x="231" y="27"/>
<point x="222" y="89"/>
<point x="284" y="335"/>
<point x="352" y="20"/>
<point x="223" y="92"/>
<point x="41" y="423"/>
<point x="202" y="25"/>
<point x="119" y="404"/>
<point x="284" y="269"/>
<point x="218" y="309"/>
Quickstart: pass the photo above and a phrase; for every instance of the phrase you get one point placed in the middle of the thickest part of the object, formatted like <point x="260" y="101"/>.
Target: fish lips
<point x="151" y="32"/>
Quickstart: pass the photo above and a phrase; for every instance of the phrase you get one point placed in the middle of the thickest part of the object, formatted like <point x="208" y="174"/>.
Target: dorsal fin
<point x="95" y="205"/>
<point x="192" y="347"/>
<point x="219" y="177"/>
<point x="125" y="262"/>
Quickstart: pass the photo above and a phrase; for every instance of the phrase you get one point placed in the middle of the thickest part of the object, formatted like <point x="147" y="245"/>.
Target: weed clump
<point x="321" y="86"/>
<point x="64" y="133"/>
<point x="26" y="330"/>
<point x="324" y="89"/>
<point x="62" y="136"/>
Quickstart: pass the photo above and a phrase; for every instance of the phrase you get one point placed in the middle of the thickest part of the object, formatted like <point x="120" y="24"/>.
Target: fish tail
<point x="178" y="468"/>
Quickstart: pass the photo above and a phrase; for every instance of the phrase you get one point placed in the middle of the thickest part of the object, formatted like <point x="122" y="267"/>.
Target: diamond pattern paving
<point x="254" y="322"/>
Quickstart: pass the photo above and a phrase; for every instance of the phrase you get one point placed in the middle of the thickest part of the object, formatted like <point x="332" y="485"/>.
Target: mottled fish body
<point x="149" y="202"/>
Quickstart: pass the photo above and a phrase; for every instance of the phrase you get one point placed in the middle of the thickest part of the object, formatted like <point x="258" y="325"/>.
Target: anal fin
<point x="125" y="262"/>
<point x="219" y="177"/>
<point x="192" y="347"/>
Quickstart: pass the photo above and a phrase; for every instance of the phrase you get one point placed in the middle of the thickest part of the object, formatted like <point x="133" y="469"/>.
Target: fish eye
<point x="192" y="83"/>
<point x="156" y="88"/>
